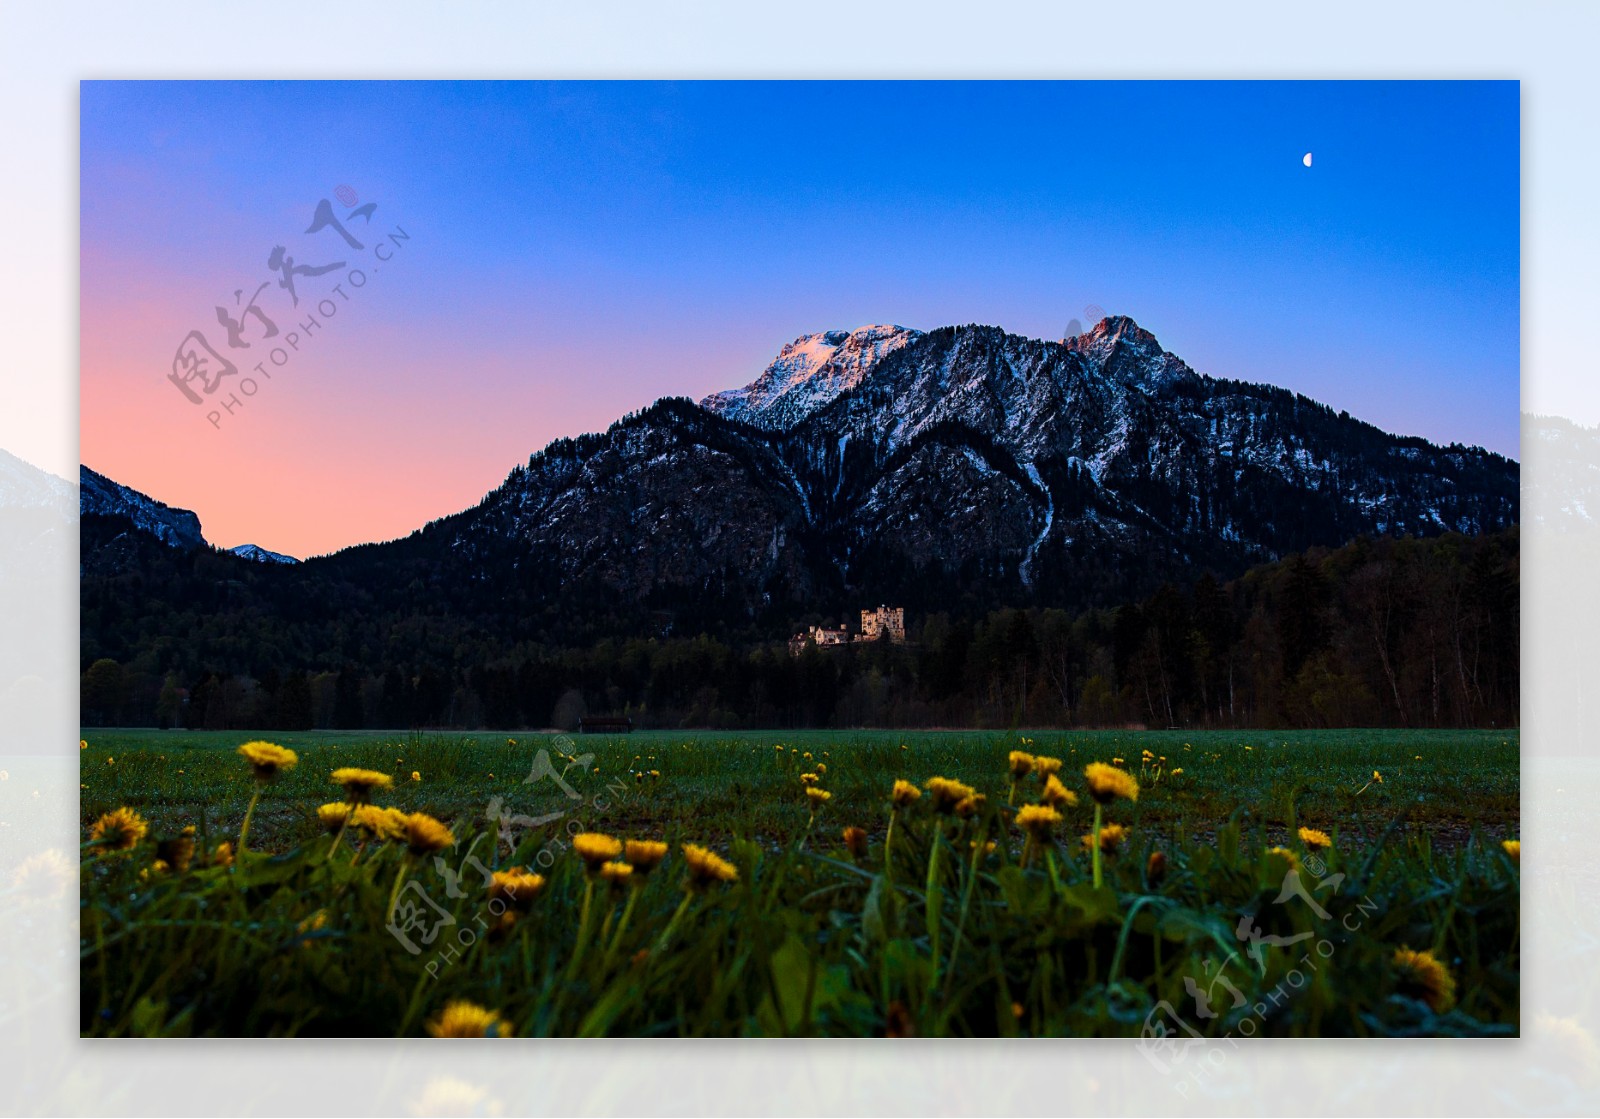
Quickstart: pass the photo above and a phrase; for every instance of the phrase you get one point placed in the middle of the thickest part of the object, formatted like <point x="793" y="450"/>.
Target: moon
<point x="1307" y="159"/>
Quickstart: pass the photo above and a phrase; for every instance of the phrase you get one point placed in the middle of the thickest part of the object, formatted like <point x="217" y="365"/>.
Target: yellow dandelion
<point x="1117" y="761"/>
<point x="1038" y="820"/>
<point x="1043" y="766"/>
<point x="360" y="784"/>
<point x="1107" y="782"/>
<point x="222" y="855"/>
<point x="333" y="816"/>
<point x="644" y="855"/>
<point x="822" y="769"/>
<point x="1315" y="840"/>
<point x="118" y="830"/>
<point x="947" y="793"/>
<point x="382" y="824"/>
<point x="1513" y="848"/>
<point x="595" y="849"/>
<point x="1057" y="795"/>
<point x="1424" y="978"/>
<point x="817" y="797"/>
<point x="617" y="873"/>
<point x="465" y="1019"/>
<point x="1178" y="772"/>
<point x="706" y="867"/>
<point x="809" y="778"/>
<point x="425" y="835"/>
<point x="1378" y="777"/>
<point x="806" y="756"/>
<point x="1020" y="763"/>
<point x="855" y="841"/>
<point x="904" y="793"/>
<point x="515" y="888"/>
<point x="416" y="775"/>
<point x="1111" y="837"/>
<point x="268" y="760"/>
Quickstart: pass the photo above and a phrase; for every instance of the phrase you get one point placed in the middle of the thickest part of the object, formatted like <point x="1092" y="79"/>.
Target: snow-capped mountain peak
<point x="808" y="374"/>
<point x="1125" y="351"/>
<point x="261" y="555"/>
<point x="98" y="494"/>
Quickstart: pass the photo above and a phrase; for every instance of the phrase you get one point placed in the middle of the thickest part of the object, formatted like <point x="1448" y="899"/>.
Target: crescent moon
<point x="1307" y="159"/>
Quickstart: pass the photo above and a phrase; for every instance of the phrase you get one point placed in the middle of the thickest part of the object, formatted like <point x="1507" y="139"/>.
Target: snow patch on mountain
<point x="809" y="373"/>
<point x="261" y="555"/>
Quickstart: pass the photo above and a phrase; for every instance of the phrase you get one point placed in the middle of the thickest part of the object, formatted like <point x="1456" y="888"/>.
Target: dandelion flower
<point x="43" y="877"/>
<point x="1107" y="782"/>
<point x="425" y="835"/>
<point x="1044" y="766"/>
<point x="809" y="778"/>
<point x="822" y="769"/>
<point x="1038" y="820"/>
<point x="595" y="849"/>
<point x="1315" y="840"/>
<point x="947" y="793"/>
<point x="1111" y="837"/>
<point x="644" y="855"/>
<point x="706" y="867"/>
<point x="267" y="760"/>
<point x="1020" y="763"/>
<point x="333" y="816"/>
<point x="968" y="807"/>
<point x="1513" y="848"/>
<point x="465" y="1019"/>
<point x="83" y="744"/>
<point x="855" y="841"/>
<point x="382" y="824"/>
<point x="1178" y="772"/>
<point x="515" y="888"/>
<point x="904" y="793"/>
<point x="1378" y="777"/>
<point x="1057" y="795"/>
<point x="1423" y="977"/>
<point x="616" y="872"/>
<point x="817" y="797"/>
<point x="119" y="830"/>
<point x="178" y="851"/>
<point x="1155" y="868"/>
<point x="415" y="775"/>
<point x="360" y="784"/>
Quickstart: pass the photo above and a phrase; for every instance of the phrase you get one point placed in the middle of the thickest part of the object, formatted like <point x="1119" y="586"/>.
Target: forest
<point x="1390" y="632"/>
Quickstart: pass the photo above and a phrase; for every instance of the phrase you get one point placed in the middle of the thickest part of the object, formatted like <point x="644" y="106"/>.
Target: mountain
<point x="260" y="555"/>
<point x="952" y="469"/>
<point x="100" y="496"/>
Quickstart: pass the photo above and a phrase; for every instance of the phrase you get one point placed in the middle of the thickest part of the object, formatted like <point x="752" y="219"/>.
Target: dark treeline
<point x="1381" y="632"/>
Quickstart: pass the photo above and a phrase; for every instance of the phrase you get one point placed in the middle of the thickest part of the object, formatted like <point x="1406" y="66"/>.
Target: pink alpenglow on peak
<point x="809" y="373"/>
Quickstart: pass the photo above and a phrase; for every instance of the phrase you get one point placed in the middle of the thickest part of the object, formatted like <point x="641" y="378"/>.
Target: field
<point x="1214" y="917"/>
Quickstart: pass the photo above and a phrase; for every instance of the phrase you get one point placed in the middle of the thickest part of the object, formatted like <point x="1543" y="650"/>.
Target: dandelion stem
<point x="933" y="906"/>
<point x="394" y="893"/>
<point x="622" y="925"/>
<point x="1096" y="846"/>
<point x="244" y="829"/>
<point x="583" y="929"/>
<point x="666" y="933"/>
<point x="966" y="904"/>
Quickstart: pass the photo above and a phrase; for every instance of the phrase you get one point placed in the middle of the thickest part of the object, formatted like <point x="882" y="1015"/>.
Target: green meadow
<point x="1213" y="916"/>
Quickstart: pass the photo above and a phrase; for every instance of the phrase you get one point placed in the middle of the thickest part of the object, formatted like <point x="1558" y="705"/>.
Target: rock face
<point x="100" y="496"/>
<point x="882" y="458"/>
<point x="887" y="464"/>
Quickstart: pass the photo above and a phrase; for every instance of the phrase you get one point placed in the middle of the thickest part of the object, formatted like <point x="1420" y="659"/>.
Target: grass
<point x="940" y="939"/>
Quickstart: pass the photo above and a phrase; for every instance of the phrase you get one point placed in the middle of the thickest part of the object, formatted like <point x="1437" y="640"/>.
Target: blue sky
<point x="582" y="249"/>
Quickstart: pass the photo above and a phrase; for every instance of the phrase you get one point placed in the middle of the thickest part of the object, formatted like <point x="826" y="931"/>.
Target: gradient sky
<point x="579" y="250"/>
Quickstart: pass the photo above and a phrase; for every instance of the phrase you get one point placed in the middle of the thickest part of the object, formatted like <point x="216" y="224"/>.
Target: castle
<point x="886" y="622"/>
